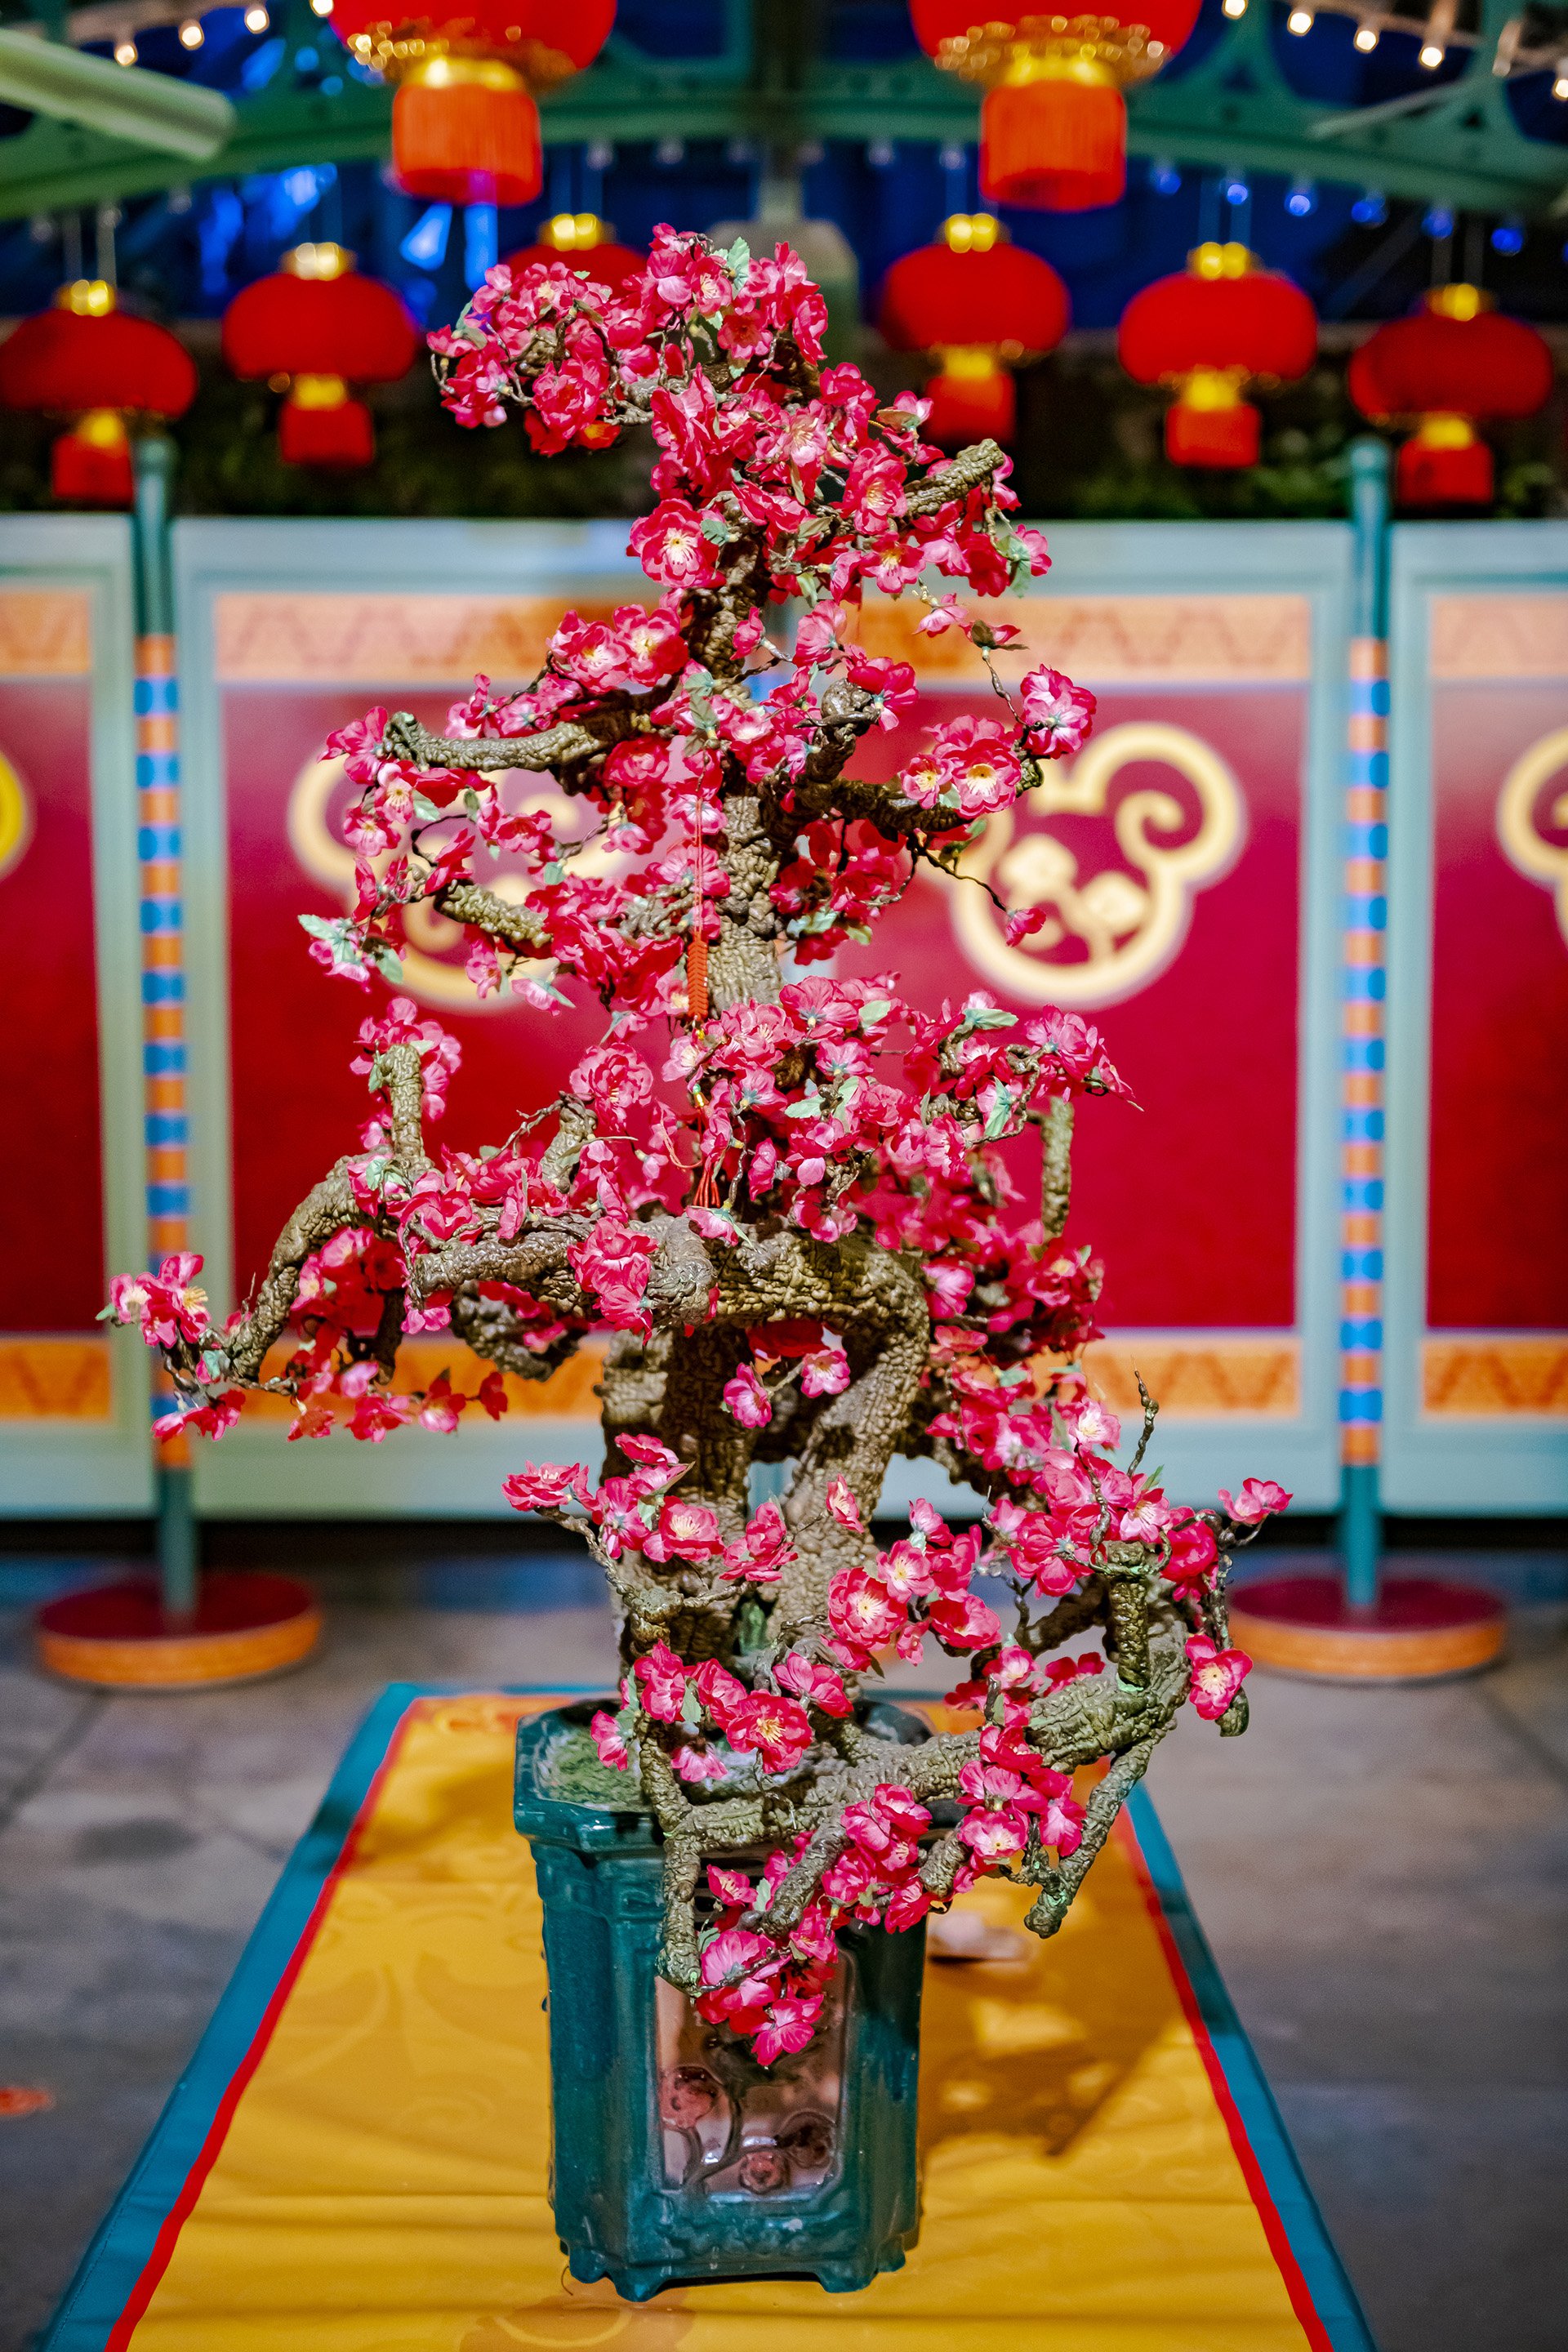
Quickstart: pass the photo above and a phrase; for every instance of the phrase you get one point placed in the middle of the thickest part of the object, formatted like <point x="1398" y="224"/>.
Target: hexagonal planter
<point x="677" y="2156"/>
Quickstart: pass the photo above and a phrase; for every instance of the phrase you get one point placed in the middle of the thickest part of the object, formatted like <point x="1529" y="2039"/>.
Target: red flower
<point x="1217" y="1675"/>
<point x="670" y="546"/>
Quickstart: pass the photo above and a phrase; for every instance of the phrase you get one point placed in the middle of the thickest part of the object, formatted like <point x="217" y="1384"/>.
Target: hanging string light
<point x="1456" y="364"/>
<point x="1222" y="323"/>
<point x="310" y="329"/>
<point x="1053" y="128"/>
<point x="981" y="306"/>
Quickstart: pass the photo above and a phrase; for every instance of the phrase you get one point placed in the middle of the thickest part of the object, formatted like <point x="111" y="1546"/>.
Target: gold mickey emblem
<point x="1526" y="848"/>
<point x="16" y="817"/>
<point x="432" y="968"/>
<point x="1126" y="926"/>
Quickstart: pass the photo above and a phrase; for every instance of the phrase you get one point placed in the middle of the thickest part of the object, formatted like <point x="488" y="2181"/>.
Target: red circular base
<point x="245" y="1624"/>
<point x="1417" y="1630"/>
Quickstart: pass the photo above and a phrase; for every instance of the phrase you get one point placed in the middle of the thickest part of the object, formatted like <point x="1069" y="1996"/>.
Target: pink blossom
<point x="818" y="1685"/>
<point x="613" y="1260"/>
<point x="994" y="1837"/>
<point x="1258" y="1497"/>
<point x="670" y="546"/>
<point x="1058" y="714"/>
<point x="842" y="1506"/>
<point x="722" y="1692"/>
<point x="1193" y="1553"/>
<point x="790" y="2023"/>
<point x="661" y="1678"/>
<point x="612" y="1749"/>
<point x="762" y="1553"/>
<point x="1217" y="1675"/>
<point x="685" y="1531"/>
<point x="730" y="1950"/>
<point x="746" y="1401"/>
<point x="777" y="1728"/>
<point x="376" y="1416"/>
<point x="546" y="1487"/>
<point x="863" y="1613"/>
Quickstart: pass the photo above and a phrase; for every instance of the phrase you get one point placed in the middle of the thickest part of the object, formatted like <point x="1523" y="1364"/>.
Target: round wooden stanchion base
<point x="245" y="1624"/>
<point x="1418" y="1630"/>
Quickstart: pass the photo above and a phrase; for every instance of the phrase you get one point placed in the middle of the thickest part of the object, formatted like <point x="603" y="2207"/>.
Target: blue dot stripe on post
<point x="1363" y="918"/>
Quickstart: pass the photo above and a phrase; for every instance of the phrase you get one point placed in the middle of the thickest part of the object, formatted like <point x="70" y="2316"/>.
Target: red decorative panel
<point x="286" y="858"/>
<point x="1498" y="1239"/>
<point x="52" y="1163"/>
<point x="1169" y="855"/>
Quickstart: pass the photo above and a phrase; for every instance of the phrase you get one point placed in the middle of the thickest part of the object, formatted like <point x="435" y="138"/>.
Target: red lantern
<point x="316" y="327"/>
<point x="1453" y="364"/>
<point x="979" y="303"/>
<point x="465" y="128"/>
<point x="86" y="358"/>
<point x="1053" y="128"/>
<point x="1219" y="324"/>
<point x="588" y="245"/>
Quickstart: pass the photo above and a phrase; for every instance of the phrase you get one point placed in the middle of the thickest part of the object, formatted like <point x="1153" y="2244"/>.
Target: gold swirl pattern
<point x="1131" y="925"/>
<point x="16" y="817"/>
<point x="1527" y="848"/>
<point x="432" y="968"/>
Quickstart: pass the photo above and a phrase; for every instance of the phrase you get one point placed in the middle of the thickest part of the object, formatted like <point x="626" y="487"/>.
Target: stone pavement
<point x="1383" y="1877"/>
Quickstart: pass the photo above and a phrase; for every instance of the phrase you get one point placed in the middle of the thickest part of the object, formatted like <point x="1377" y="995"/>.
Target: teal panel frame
<point x="253" y="1471"/>
<point x="71" y="1468"/>
<point x="1493" y="1465"/>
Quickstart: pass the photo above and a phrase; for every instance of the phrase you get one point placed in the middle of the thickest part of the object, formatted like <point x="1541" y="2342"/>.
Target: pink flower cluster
<point x="167" y="1308"/>
<point x="640" y="1516"/>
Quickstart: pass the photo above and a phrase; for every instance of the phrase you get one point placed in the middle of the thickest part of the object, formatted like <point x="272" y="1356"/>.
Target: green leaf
<point x="738" y="261"/>
<point x="877" y="1011"/>
<point x="425" y="808"/>
<point x="716" y="528"/>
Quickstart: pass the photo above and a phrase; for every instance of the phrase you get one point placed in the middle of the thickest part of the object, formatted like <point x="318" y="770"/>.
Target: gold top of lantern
<point x="1461" y="302"/>
<point x="1215" y="260"/>
<point x="1035" y="46"/>
<point x="320" y="261"/>
<point x="972" y="232"/>
<point x="89" y="298"/>
<point x="576" y="232"/>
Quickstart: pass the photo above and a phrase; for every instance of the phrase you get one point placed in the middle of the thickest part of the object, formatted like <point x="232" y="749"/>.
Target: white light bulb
<point x="257" y="18"/>
<point x="125" y="53"/>
<point x="1234" y="7"/>
<point x="1366" y="38"/>
<point x="191" y="34"/>
<point x="321" y="7"/>
<point x="1431" y="56"/>
<point x="1560" y="87"/>
<point x="1299" y="20"/>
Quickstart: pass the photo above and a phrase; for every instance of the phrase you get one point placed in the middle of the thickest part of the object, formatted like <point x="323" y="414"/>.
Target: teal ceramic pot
<point x="677" y="2158"/>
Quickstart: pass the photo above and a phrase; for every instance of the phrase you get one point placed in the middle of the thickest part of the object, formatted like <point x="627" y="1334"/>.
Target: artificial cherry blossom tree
<point x="778" y="1192"/>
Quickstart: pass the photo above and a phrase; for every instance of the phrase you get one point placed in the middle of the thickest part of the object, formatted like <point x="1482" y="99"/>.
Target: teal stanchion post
<point x="1363" y="1030"/>
<point x="158" y="852"/>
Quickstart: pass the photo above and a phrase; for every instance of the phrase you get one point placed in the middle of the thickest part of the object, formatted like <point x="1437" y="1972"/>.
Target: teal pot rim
<point x="586" y="1828"/>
